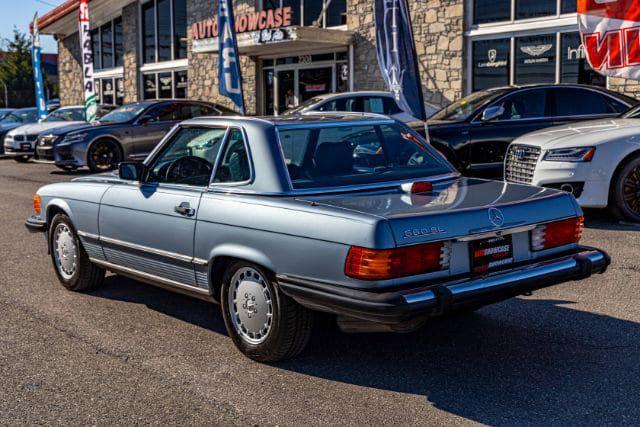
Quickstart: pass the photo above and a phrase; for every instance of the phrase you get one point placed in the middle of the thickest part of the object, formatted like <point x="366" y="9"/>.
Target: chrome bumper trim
<point x="530" y="272"/>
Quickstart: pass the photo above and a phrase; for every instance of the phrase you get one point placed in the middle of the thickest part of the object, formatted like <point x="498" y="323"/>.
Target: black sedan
<point x="130" y="132"/>
<point x="474" y="133"/>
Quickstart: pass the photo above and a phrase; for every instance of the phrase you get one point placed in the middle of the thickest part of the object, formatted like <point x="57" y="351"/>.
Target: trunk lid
<point x="456" y="208"/>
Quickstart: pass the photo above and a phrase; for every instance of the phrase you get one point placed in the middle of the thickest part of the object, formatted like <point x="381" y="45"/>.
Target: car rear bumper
<point x="430" y="300"/>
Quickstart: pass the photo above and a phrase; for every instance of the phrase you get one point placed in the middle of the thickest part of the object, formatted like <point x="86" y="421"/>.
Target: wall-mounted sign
<point x="270" y="19"/>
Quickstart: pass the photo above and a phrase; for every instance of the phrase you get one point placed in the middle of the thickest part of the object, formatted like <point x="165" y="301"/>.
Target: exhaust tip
<point x="568" y="188"/>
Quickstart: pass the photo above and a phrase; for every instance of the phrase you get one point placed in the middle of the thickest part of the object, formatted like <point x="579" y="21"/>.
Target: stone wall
<point x="130" y="57"/>
<point x="70" y="71"/>
<point x="438" y="27"/>
<point x="625" y="86"/>
<point x="203" y="67"/>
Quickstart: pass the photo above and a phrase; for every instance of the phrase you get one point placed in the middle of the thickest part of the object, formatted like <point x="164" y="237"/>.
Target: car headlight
<point x="578" y="154"/>
<point x="75" y="137"/>
<point x="47" y="139"/>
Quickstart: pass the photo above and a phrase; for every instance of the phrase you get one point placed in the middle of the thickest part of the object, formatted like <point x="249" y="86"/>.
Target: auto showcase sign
<point x="611" y="36"/>
<point x="265" y="26"/>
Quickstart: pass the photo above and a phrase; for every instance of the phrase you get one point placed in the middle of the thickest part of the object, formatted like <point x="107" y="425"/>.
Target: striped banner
<point x="90" y="98"/>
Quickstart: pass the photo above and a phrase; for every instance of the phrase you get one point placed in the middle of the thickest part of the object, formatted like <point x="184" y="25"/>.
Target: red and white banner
<point x="611" y="36"/>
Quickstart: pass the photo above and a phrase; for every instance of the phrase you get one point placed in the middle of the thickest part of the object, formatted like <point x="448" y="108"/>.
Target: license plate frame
<point x="25" y="146"/>
<point x="491" y="253"/>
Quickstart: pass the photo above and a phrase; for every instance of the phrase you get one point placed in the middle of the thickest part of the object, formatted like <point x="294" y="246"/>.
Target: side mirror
<point x="492" y="113"/>
<point x="131" y="171"/>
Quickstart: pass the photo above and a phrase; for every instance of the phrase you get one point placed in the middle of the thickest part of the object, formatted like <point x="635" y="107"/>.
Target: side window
<point x="528" y="104"/>
<point x="329" y="106"/>
<point x="234" y="162"/>
<point x="188" y="158"/>
<point x="165" y="113"/>
<point x="618" y="106"/>
<point x="579" y="102"/>
<point x="373" y="105"/>
<point x="390" y="107"/>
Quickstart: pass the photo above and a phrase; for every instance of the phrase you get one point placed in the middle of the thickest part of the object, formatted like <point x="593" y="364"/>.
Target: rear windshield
<point x="340" y="155"/>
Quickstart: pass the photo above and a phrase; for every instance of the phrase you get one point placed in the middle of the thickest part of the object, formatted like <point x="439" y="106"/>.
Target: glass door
<point x="286" y="88"/>
<point x="313" y="82"/>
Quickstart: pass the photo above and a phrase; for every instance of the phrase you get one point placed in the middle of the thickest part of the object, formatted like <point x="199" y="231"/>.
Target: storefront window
<point x="110" y="90"/>
<point x="492" y="11"/>
<point x="490" y="63"/>
<point x="119" y="91"/>
<point x="165" y="85"/>
<point x="335" y="13"/>
<point x="180" y="82"/>
<point x="149" y="32"/>
<point x="574" y="67"/>
<point x="95" y="48"/>
<point x="118" y="42"/>
<point x="487" y="11"/>
<point x="535" y="60"/>
<point x="526" y="9"/>
<point x="164" y="29"/>
<point x="179" y="30"/>
<point x="106" y="37"/>
<point x="568" y="6"/>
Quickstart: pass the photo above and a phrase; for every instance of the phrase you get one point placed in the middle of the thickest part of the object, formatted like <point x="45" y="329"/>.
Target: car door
<point x="149" y="227"/>
<point x="152" y="126"/>
<point x="524" y="111"/>
<point x="570" y="104"/>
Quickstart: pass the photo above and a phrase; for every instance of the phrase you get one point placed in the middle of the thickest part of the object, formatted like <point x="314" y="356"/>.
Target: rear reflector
<point x="373" y="264"/>
<point x="558" y="233"/>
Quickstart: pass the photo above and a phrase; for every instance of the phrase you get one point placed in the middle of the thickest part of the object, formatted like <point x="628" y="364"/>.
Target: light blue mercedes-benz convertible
<point x="354" y="215"/>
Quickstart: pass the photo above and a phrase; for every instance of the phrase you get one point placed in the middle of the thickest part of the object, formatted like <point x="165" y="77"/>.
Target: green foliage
<point x="16" y="71"/>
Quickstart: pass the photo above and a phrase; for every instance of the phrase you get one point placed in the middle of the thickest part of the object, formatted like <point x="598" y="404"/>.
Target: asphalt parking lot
<point x="132" y="353"/>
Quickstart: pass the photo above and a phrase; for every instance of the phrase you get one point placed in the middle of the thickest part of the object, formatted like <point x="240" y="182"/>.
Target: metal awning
<point x="283" y="41"/>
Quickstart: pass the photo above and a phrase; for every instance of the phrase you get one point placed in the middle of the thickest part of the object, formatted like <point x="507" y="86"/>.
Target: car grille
<point x="520" y="163"/>
<point x="25" y="138"/>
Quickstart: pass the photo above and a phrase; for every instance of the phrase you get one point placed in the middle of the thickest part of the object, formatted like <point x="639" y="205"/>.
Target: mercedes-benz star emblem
<point x="496" y="217"/>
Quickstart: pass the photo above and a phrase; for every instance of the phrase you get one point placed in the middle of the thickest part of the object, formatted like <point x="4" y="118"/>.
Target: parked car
<point x="130" y="132"/>
<point x="14" y="119"/>
<point x="597" y="161"/>
<point x="474" y="133"/>
<point x="273" y="218"/>
<point x="360" y="102"/>
<point x="20" y="142"/>
<point x="5" y="111"/>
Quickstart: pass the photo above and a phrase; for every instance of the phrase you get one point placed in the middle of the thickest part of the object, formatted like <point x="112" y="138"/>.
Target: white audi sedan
<point x="598" y="161"/>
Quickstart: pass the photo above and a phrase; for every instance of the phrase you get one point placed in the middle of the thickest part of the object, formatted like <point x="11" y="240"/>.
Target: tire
<point x="103" y="155"/>
<point x="625" y="192"/>
<point x="22" y="159"/>
<point x="81" y="275"/>
<point x="265" y="324"/>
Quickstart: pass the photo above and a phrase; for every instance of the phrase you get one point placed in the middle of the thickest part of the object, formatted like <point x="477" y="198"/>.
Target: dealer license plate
<point x="489" y="254"/>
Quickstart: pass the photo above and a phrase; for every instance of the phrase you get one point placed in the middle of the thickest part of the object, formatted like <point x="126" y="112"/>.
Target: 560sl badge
<point x="428" y="231"/>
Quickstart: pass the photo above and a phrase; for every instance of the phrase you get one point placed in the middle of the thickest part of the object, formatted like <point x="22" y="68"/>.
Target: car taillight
<point x="37" y="207"/>
<point x="558" y="233"/>
<point x="375" y="264"/>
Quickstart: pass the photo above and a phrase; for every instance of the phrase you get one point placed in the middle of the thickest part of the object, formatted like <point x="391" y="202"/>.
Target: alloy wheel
<point x="631" y="190"/>
<point x="104" y="156"/>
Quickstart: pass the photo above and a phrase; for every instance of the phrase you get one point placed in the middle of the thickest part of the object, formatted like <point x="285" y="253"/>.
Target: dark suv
<point x="130" y="132"/>
<point x="474" y="133"/>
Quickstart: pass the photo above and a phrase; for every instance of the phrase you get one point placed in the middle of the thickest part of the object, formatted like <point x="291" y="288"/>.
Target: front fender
<point x="55" y="204"/>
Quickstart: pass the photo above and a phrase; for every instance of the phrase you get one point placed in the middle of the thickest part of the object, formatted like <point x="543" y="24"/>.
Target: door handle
<point x="185" y="209"/>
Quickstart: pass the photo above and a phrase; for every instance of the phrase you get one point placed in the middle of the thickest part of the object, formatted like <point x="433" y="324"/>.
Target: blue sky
<point x="20" y="14"/>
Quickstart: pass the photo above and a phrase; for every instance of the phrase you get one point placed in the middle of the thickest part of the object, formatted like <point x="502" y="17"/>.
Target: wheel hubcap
<point x="65" y="251"/>
<point x="631" y="190"/>
<point x="250" y="305"/>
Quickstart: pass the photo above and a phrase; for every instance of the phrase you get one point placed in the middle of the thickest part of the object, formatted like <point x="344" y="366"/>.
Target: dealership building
<point x="292" y="50"/>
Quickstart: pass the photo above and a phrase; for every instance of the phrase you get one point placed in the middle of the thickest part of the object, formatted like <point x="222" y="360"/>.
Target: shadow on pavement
<point x="602" y="219"/>
<point x="524" y="361"/>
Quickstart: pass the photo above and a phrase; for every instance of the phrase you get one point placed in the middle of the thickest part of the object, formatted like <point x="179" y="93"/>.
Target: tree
<point x="16" y="71"/>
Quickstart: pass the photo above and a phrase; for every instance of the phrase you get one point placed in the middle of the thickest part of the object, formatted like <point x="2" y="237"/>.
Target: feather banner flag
<point x="610" y="32"/>
<point x="90" y="98"/>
